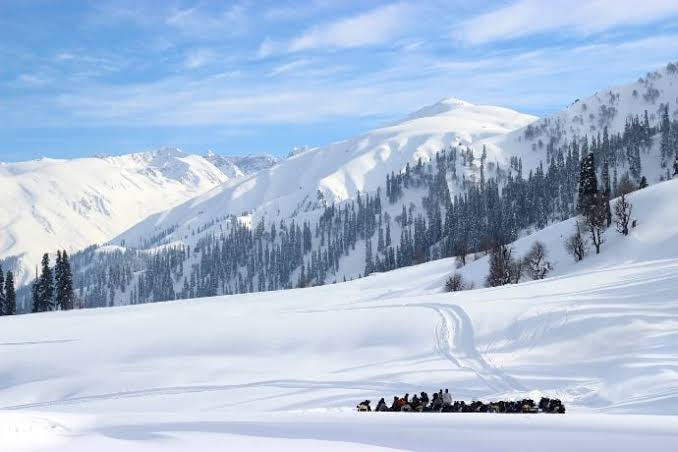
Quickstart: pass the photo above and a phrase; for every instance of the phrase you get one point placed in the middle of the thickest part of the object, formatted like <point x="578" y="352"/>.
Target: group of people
<point x="441" y="402"/>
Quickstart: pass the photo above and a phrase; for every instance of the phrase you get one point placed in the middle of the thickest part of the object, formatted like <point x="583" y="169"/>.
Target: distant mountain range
<point x="144" y="203"/>
<point x="51" y="204"/>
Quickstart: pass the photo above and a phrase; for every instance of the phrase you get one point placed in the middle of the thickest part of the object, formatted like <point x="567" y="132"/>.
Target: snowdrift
<point x="284" y="369"/>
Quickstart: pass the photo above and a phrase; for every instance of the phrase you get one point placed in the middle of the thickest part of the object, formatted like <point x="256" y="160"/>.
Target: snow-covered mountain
<point x="339" y="171"/>
<point x="448" y="179"/>
<point x="53" y="204"/>
<point x="607" y="109"/>
<point x="285" y="370"/>
<point x="312" y="177"/>
<point x="234" y="166"/>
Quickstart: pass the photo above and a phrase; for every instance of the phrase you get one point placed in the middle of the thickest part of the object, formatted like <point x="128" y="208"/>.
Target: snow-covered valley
<point x="284" y="369"/>
<point x="338" y="226"/>
<point x="55" y="204"/>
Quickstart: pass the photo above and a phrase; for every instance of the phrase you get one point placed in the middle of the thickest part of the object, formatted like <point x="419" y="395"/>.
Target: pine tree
<point x="65" y="297"/>
<point x="43" y="288"/>
<point x="592" y="205"/>
<point x="10" y="294"/>
<point x="675" y="166"/>
<point x="35" y="294"/>
<point x="643" y="183"/>
<point x="607" y="192"/>
<point x="588" y="184"/>
<point x="665" y="144"/>
<point x="369" y="263"/>
<point x="3" y="299"/>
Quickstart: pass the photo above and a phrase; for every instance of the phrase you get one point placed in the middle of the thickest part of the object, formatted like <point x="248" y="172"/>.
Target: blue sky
<point x="81" y="78"/>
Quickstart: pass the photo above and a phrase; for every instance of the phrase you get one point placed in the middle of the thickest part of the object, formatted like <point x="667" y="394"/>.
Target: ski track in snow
<point x="456" y="342"/>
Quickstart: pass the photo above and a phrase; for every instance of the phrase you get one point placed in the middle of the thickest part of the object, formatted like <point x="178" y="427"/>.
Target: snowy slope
<point x="338" y="171"/>
<point x="589" y="116"/>
<point x="310" y="178"/>
<point x="283" y="369"/>
<point x="70" y="204"/>
<point x="234" y="166"/>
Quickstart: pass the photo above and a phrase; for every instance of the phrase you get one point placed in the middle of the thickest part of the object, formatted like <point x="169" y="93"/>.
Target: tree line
<point x="53" y="289"/>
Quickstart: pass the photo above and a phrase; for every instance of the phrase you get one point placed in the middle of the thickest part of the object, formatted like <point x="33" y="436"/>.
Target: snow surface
<point x="234" y="166"/>
<point x="282" y="370"/>
<point x="53" y="204"/>
<point x="589" y="116"/>
<point x="337" y="172"/>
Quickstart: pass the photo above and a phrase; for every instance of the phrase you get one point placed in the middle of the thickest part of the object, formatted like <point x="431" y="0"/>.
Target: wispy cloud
<point x="200" y="22"/>
<point x="32" y="80"/>
<point x="582" y="17"/>
<point x="287" y="67"/>
<point x="373" y="27"/>
<point x="377" y="26"/>
<point x="335" y="62"/>
<point x="267" y="48"/>
<point x="198" y="58"/>
<point x="519" y="80"/>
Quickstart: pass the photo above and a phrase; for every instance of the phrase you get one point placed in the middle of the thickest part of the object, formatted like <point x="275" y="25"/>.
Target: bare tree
<point x="456" y="283"/>
<point x="575" y="244"/>
<point x="461" y="250"/>
<point x="516" y="268"/>
<point x="625" y="185"/>
<point x="595" y="220"/>
<point x="622" y="214"/>
<point x="536" y="263"/>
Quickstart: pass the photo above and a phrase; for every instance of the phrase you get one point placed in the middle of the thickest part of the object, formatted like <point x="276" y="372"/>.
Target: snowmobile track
<point x="456" y="341"/>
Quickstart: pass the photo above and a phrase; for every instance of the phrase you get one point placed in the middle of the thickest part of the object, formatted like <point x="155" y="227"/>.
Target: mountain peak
<point x="444" y="105"/>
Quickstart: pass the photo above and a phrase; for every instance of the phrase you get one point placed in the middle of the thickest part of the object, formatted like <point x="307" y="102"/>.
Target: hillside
<point x="319" y="176"/>
<point x="338" y="171"/>
<point x="284" y="369"/>
<point x="607" y="109"/>
<point x="234" y="166"/>
<point x="70" y="204"/>
<point x="447" y="180"/>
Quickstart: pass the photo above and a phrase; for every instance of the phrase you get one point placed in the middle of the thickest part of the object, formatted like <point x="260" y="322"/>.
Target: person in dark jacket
<point x="424" y="398"/>
<point x="364" y="406"/>
<point x="416" y="403"/>
<point x="381" y="406"/>
<point x="395" y="406"/>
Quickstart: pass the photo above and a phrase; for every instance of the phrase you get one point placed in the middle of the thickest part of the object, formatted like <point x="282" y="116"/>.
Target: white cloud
<point x="199" y="22"/>
<point x="287" y="67"/>
<point x="374" y="27"/>
<point x="199" y="58"/>
<point x="267" y="48"/>
<point x="64" y="56"/>
<point x="527" y="17"/>
<point x="537" y="80"/>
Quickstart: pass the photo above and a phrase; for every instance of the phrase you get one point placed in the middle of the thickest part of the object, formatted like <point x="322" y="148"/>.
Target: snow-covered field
<point x="283" y="370"/>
